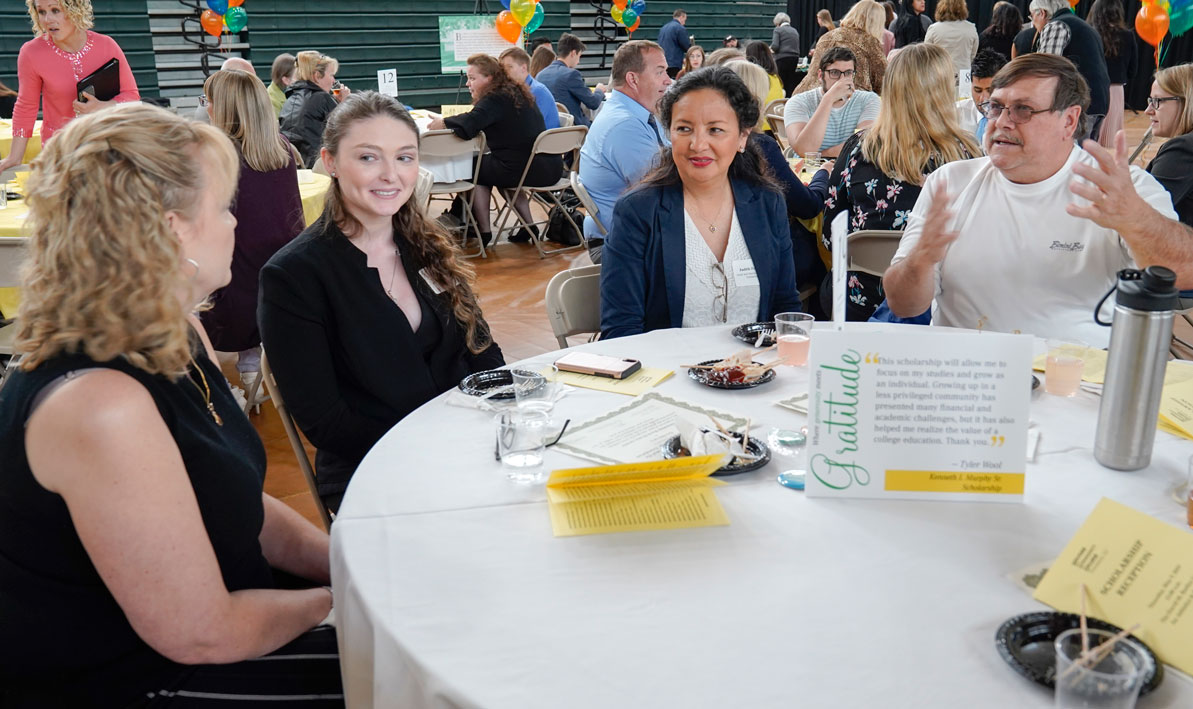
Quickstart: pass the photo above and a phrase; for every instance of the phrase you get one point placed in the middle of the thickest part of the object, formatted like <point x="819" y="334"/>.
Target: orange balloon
<point x="619" y="4"/>
<point x="213" y="24"/>
<point x="235" y="3"/>
<point x="508" y="27"/>
<point x="1073" y="3"/>
<point x="1152" y="24"/>
<point x="636" y="23"/>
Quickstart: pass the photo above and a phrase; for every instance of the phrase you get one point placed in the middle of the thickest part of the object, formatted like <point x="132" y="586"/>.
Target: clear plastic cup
<point x="1064" y="366"/>
<point x="533" y="392"/>
<point x="1112" y="682"/>
<point x="521" y="439"/>
<point x="793" y="332"/>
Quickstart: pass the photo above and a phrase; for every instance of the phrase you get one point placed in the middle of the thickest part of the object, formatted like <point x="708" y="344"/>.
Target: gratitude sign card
<point x="918" y="414"/>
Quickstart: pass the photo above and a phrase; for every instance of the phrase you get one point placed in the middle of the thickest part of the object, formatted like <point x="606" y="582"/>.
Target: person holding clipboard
<point x="66" y="67"/>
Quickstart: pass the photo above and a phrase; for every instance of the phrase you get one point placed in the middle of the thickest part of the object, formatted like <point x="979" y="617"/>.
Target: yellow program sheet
<point x="1136" y="569"/>
<point x="668" y="494"/>
<point x="1176" y="409"/>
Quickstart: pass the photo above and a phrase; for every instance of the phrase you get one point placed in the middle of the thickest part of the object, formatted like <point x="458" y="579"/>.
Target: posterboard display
<point x="461" y="36"/>
<point x="918" y="415"/>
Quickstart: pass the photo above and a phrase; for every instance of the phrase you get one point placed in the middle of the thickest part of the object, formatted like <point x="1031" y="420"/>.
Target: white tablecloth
<point x="452" y="592"/>
<point x="444" y="169"/>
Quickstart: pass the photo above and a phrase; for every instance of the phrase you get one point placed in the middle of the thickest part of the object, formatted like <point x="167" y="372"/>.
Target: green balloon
<point x="1180" y="19"/>
<point x="537" y="19"/>
<point x="236" y="19"/>
<point x="629" y="16"/>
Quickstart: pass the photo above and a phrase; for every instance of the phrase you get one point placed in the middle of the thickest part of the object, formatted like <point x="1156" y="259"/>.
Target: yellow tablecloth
<point x="311" y="187"/>
<point x="31" y="150"/>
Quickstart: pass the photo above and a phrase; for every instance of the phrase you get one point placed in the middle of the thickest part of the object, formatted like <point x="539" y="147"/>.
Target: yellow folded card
<point x="1135" y="569"/>
<point x="663" y="494"/>
<point x="636" y="384"/>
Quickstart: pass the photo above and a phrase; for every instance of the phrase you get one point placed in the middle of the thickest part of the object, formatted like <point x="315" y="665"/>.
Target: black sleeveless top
<point x="63" y="638"/>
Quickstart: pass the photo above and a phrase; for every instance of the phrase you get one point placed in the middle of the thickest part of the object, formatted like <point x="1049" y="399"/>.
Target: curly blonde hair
<point x="79" y="13"/>
<point x="105" y="267"/>
<point x="436" y="248"/>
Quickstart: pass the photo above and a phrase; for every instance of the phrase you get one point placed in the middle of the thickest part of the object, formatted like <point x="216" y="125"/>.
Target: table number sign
<point x="387" y="82"/>
<point x="918" y="415"/>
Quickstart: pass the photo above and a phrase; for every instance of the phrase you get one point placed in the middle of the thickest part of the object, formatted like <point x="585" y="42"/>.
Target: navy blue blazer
<point x="644" y="264"/>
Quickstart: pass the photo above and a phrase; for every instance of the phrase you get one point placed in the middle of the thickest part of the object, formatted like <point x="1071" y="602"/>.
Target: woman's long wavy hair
<point x="1107" y="19"/>
<point x="917" y="122"/>
<point x="79" y="13"/>
<point x="500" y="82"/>
<point x="1006" y="21"/>
<point x="240" y="107"/>
<point x="748" y="166"/>
<point x="435" y="248"/>
<point x="105" y="268"/>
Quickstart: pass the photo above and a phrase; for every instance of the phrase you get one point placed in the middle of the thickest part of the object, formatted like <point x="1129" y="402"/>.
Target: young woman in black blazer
<point x="370" y="312"/>
<point x="510" y="119"/>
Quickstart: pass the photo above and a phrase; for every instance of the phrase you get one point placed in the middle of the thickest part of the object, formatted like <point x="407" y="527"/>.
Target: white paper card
<point x="918" y="415"/>
<point x="744" y="273"/>
<point x="387" y="82"/>
<point x="840" y="235"/>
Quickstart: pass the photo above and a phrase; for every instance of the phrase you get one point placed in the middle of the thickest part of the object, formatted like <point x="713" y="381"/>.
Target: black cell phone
<point x="86" y="90"/>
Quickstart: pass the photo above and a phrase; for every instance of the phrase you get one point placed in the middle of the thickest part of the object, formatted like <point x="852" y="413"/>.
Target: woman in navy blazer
<point x="712" y="184"/>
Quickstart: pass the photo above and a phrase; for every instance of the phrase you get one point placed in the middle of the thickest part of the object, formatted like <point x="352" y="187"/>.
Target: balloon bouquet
<point x="1158" y="17"/>
<point x="221" y="14"/>
<point x="628" y="15"/>
<point x="518" y="17"/>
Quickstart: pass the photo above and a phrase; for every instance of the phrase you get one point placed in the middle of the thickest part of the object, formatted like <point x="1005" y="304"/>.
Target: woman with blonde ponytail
<point x="137" y="549"/>
<point x="370" y="312"/>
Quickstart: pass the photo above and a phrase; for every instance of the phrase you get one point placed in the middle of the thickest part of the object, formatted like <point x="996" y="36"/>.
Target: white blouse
<point x="709" y="283"/>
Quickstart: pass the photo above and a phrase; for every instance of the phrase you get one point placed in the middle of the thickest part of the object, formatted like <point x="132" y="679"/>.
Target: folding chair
<point x="566" y="119"/>
<point x="13" y="252"/>
<point x="446" y="144"/>
<point x="586" y="201"/>
<point x="557" y="141"/>
<point x="422" y="188"/>
<point x="775" y="106"/>
<point x="304" y="463"/>
<point x="319" y="169"/>
<point x="562" y="109"/>
<point x="1146" y="141"/>
<point x="871" y="250"/>
<point x="778" y="128"/>
<point x="574" y="302"/>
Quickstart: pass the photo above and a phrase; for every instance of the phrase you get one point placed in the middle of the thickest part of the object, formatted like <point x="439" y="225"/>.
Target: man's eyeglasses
<point x="1019" y="114"/>
<point x="204" y="101"/>
<point x="835" y="74"/>
<point x="1154" y="103"/>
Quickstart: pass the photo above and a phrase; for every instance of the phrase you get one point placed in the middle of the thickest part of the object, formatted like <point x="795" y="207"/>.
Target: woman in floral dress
<point x="880" y="171"/>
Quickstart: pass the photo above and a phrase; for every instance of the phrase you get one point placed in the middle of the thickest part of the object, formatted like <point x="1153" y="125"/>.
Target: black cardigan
<point x="1170" y="167"/>
<point x="343" y="353"/>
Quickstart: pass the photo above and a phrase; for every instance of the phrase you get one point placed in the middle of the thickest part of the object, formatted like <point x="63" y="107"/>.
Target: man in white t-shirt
<point x="1001" y="242"/>
<point x="822" y="119"/>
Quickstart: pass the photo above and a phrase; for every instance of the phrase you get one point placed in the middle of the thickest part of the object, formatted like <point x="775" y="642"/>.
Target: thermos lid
<point x="1152" y="289"/>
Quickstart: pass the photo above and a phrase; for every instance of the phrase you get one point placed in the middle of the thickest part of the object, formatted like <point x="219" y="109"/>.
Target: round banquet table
<point x="451" y="591"/>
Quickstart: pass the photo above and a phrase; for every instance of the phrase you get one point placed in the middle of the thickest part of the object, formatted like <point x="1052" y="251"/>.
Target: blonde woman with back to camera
<point x="137" y="550"/>
<point x="268" y="211"/>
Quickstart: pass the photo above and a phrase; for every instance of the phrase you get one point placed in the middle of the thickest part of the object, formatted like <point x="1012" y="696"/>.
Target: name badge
<point x="744" y="273"/>
<point x="430" y="281"/>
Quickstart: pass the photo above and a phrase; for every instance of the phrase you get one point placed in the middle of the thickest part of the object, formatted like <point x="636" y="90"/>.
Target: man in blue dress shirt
<point x="625" y="139"/>
<point x="516" y="62"/>
<point x="565" y="81"/>
<point x="674" y="39"/>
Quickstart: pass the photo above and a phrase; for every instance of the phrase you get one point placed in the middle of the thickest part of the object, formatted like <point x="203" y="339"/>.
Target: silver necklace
<point x="397" y="263"/>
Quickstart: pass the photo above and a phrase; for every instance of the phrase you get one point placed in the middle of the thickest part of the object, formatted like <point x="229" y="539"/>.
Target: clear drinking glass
<point x="533" y="392"/>
<point x="789" y="448"/>
<point x="521" y="435"/>
<point x="1064" y="367"/>
<point x="1112" y="682"/>
<point x="793" y="332"/>
<point x="812" y="161"/>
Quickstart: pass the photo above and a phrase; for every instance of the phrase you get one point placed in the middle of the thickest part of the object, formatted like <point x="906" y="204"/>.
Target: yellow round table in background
<point x="312" y="187"/>
<point x="31" y="150"/>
